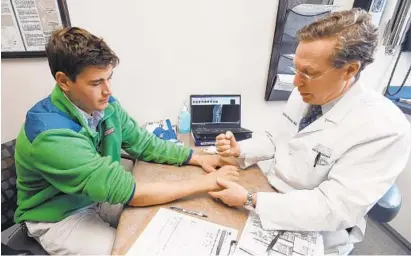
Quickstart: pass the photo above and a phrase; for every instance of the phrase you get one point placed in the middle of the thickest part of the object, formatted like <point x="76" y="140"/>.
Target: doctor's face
<point x="317" y="80"/>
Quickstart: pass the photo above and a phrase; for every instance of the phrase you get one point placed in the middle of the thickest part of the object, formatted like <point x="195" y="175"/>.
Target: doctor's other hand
<point x="227" y="145"/>
<point x="227" y="172"/>
<point x="233" y="195"/>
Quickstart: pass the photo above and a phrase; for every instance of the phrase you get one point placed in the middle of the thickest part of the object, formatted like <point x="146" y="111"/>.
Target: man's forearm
<point x="196" y="159"/>
<point x="164" y="192"/>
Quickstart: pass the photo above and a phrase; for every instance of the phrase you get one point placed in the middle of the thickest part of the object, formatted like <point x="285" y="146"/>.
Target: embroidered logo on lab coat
<point x="289" y="118"/>
<point x="325" y="154"/>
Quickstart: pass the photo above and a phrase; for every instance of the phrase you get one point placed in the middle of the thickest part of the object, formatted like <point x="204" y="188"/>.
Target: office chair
<point x="387" y="207"/>
<point x="19" y="243"/>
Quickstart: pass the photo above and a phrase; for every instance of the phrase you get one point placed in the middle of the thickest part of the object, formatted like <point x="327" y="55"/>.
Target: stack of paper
<point x="255" y="240"/>
<point x="173" y="233"/>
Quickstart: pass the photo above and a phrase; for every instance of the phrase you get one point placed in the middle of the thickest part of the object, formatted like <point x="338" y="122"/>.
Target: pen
<point x="220" y="243"/>
<point x="232" y="243"/>
<point x="188" y="211"/>
<point x="317" y="158"/>
<point x="246" y="251"/>
<point x="271" y="245"/>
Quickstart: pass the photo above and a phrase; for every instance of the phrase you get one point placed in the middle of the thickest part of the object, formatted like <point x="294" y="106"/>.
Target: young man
<point x="70" y="183"/>
<point x="338" y="146"/>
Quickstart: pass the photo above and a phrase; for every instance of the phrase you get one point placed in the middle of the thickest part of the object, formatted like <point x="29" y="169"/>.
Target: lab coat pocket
<point x="310" y="163"/>
<point x="322" y="162"/>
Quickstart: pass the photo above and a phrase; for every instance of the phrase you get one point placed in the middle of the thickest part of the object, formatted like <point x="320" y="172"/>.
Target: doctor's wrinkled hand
<point x="233" y="195"/>
<point x="227" y="145"/>
<point x="227" y="173"/>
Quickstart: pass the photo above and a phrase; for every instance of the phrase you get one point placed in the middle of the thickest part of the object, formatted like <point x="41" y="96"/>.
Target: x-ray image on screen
<point x="215" y="110"/>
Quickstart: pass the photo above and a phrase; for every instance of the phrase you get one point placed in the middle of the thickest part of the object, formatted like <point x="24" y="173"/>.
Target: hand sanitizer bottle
<point x="184" y="120"/>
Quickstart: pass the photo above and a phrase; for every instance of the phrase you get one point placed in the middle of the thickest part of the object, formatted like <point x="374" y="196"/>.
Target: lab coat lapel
<point x="295" y="109"/>
<point x="336" y="114"/>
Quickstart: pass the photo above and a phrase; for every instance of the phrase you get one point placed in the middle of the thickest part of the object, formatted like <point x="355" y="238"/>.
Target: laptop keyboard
<point x="218" y="130"/>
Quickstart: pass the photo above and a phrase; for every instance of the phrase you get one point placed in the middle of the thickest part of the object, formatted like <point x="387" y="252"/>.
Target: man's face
<point x="91" y="90"/>
<point x="313" y="58"/>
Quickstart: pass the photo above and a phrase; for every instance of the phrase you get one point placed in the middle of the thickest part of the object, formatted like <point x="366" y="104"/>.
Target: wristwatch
<point x="249" y="201"/>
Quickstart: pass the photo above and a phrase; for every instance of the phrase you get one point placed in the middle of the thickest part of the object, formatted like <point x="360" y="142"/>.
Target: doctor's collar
<point x="335" y="110"/>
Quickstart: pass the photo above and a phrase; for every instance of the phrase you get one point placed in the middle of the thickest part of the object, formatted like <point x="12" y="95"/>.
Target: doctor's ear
<point x="352" y="69"/>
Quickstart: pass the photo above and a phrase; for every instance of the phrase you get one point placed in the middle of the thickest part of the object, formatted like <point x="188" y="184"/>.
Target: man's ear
<point x="63" y="81"/>
<point x="352" y="70"/>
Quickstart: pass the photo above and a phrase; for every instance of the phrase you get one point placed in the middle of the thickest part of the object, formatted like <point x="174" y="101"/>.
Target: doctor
<point x="338" y="146"/>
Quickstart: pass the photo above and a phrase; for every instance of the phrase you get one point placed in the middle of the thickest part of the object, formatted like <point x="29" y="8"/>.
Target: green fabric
<point x="62" y="171"/>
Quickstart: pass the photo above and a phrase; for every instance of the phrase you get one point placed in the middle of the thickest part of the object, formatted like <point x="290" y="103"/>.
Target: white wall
<point x="170" y="50"/>
<point x="23" y="83"/>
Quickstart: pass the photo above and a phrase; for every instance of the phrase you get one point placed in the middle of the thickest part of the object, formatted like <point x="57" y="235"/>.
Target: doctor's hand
<point x="228" y="173"/>
<point x="233" y="195"/>
<point x="227" y="145"/>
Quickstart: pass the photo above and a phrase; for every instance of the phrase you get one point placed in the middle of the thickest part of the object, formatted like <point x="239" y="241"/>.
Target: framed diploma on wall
<point x="26" y="26"/>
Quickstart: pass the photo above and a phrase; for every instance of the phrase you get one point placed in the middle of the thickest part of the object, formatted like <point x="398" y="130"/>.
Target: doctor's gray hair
<point x="356" y="35"/>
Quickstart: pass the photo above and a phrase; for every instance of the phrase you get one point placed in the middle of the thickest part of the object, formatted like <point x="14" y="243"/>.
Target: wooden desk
<point x="134" y="219"/>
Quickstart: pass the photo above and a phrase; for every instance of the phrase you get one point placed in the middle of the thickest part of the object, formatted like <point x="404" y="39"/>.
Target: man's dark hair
<point x="70" y="50"/>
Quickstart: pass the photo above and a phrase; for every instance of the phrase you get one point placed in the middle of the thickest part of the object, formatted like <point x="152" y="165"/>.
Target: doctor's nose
<point x="298" y="82"/>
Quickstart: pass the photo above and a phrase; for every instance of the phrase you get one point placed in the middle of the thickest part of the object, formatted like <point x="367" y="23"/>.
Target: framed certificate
<point x="26" y="26"/>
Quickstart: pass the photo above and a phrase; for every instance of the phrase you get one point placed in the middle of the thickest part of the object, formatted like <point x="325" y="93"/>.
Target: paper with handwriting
<point x="174" y="233"/>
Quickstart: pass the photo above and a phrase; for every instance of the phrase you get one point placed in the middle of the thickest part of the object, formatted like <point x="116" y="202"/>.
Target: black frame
<point x="215" y="95"/>
<point x="284" y="8"/>
<point x="65" y="20"/>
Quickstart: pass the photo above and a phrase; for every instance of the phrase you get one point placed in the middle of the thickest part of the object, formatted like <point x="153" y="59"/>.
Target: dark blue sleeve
<point x="132" y="194"/>
<point x="189" y="157"/>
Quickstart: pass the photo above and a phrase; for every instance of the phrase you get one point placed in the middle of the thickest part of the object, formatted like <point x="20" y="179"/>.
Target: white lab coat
<point x="364" y="141"/>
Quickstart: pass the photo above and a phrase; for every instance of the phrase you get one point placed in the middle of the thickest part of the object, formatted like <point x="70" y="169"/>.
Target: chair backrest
<point x="387" y="206"/>
<point x="8" y="185"/>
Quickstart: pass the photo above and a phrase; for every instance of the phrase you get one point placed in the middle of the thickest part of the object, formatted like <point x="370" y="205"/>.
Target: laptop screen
<point x="216" y="109"/>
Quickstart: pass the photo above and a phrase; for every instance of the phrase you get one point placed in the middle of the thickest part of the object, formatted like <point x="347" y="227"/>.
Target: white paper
<point x="314" y="9"/>
<point x="37" y="20"/>
<point x="284" y="82"/>
<point x="173" y="233"/>
<point x="10" y="34"/>
<point x="254" y="241"/>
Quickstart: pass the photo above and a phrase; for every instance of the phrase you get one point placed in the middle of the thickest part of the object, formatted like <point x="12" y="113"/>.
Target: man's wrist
<point x="206" y="183"/>
<point x="195" y="159"/>
<point x="188" y="159"/>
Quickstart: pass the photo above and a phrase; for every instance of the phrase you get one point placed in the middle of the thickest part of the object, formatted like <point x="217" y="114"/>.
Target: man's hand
<point x="227" y="145"/>
<point x="208" y="162"/>
<point x="233" y="195"/>
<point x="227" y="173"/>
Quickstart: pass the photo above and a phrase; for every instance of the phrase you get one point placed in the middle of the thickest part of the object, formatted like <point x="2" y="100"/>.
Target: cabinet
<point x="291" y="17"/>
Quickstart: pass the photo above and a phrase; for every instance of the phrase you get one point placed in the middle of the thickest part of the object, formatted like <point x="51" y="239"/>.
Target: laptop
<point x="212" y="115"/>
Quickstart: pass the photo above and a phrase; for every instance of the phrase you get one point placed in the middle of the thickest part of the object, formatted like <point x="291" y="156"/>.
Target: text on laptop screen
<point x="216" y="110"/>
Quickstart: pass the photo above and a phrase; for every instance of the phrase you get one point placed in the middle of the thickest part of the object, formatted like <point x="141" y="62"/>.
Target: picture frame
<point x="26" y="26"/>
